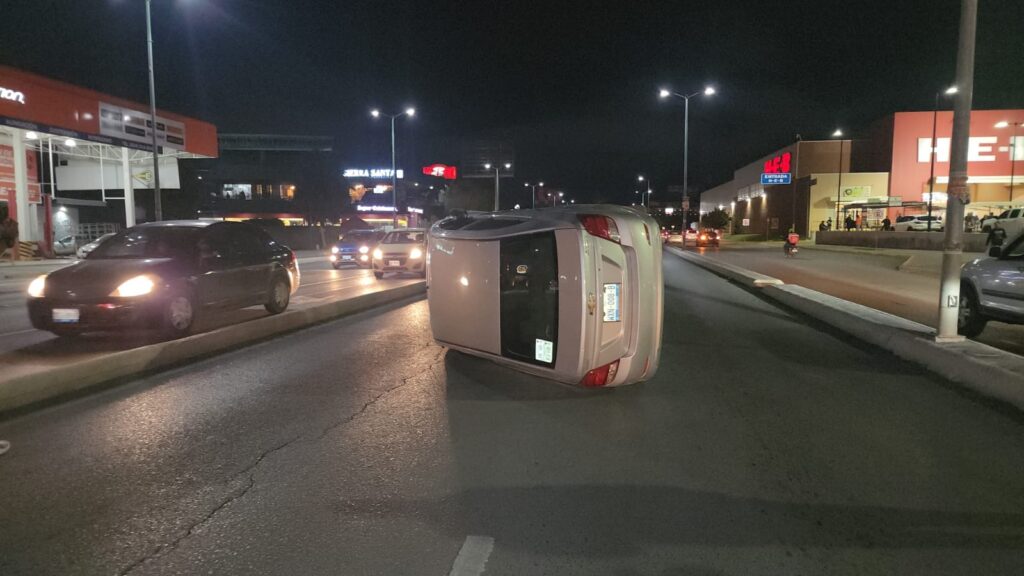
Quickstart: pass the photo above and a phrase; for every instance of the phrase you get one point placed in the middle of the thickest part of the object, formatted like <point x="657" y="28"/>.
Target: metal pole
<point x="958" y="194"/>
<point x="839" y="182"/>
<point x="1013" y="156"/>
<point x="496" y="186"/>
<point x="394" y="176"/>
<point x="158" y="212"/>
<point x="53" y="183"/>
<point x="686" y="160"/>
<point x="931" y="177"/>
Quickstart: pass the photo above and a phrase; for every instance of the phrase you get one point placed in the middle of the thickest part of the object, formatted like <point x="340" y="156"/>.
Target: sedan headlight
<point x="37" y="287"/>
<point x="334" y="249"/>
<point x="138" y="286"/>
<point x="377" y="254"/>
<point x="416" y="254"/>
<point x="364" y="249"/>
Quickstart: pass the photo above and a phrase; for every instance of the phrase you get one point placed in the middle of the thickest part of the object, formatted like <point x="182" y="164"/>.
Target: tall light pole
<point x="410" y="112"/>
<point x="664" y="93"/>
<point x="839" y="182"/>
<point x="958" y="194"/>
<point x="935" y="150"/>
<point x="644" y="193"/>
<point x="497" y="181"/>
<point x="533" y="193"/>
<point x="158" y="212"/>
<point x="1013" y="149"/>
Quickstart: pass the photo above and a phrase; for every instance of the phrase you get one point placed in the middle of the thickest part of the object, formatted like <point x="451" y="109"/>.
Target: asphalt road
<point x="762" y="446"/>
<point x="319" y="280"/>
<point x="867" y="279"/>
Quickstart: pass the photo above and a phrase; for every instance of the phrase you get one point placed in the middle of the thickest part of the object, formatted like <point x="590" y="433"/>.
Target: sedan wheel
<point x="280" y="295"/>
<point x="970" y="321"/>
<point x="180" y="315"/>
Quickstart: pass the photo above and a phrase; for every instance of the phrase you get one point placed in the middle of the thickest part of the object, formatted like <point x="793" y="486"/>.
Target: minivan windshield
<point x="149" y="242"/>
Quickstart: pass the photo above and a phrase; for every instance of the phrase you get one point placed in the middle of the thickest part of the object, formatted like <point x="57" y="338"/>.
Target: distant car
<point x="917" y="223"/>
<point x="163" y="275"/>
<point x="689" y="236"/>
<point x="402" y="250"/>
<point x="993" y="288"/>
<point x="355" y="247"/>
<point x="1012" y="221"/>
<point x="989" y="222"/>
<point x="65" y="246"/>
<point x="707" y="238"/>
<point x="86" y="249"/>
<point x="675" y="237"/>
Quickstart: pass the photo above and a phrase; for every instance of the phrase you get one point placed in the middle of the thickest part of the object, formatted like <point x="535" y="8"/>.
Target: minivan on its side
<point x="573" y="294"/>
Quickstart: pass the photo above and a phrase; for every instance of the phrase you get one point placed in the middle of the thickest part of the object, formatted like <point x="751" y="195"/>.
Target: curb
<point x="746" y="277"/>
<point x="978" y="367"/>
<point x="34" y="388"/>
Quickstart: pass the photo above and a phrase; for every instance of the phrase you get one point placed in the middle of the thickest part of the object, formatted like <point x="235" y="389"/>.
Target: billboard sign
<point x="373" y="173"/>
<point x="776" y="178"/>
<point x="440" y="171"/>
<point x="851" y="193"/>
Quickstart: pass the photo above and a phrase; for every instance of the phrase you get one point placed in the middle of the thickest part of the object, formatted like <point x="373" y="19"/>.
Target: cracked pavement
<point x="763" y="446"/>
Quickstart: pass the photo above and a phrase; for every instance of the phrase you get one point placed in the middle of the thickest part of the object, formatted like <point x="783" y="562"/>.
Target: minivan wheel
<point x="378" y="275"/>
<point x="179" y="315"/>
<point x="279" y="296"/>
<point x="970" y="321"/>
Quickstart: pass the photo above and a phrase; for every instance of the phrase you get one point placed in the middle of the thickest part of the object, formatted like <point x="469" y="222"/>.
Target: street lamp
<point x="533" y="193"/>
<point x="664" y="93"/>
<point x="410" y="112"/>
<point x="935" y="150"/>
<point x="1013" y="149"/>
<point x="839" y="182"/>
<point x="497" y="181"/>
<point x="644" y="200"/>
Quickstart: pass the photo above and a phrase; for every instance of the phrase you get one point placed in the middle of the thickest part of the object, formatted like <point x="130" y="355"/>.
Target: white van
<point x="574" y="294"/>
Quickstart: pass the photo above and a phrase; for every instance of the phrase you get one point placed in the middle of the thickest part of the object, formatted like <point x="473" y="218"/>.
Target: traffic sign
<point x="768" y="178"/>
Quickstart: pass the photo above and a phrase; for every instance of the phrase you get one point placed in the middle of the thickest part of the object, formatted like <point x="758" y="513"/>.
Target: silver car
<point x="84" y="251"/>
<point x="993" y="288"/>
<point x="573" y="294"/>
<point x="401" y="251"/>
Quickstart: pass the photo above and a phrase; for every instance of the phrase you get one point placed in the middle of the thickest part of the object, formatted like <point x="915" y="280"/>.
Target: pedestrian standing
<point x="822" y="227"/>
<point x="859" y="221"/>
<point x="9" y="237"/>
<point x="848" y="223"/>
<point x="828" y="223"/>
<point x="886" y="224"/>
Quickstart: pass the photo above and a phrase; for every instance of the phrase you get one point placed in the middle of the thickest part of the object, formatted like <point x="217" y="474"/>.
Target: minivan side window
<point x="528" y="289"/>
<point x="1015" y="213"/>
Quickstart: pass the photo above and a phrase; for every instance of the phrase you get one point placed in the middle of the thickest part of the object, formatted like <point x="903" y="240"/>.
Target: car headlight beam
<point x="334" y="249"/>
<point x="377" y="254"/>
<point x="416" y="254"/>
<point x="37" y="287"/>
<point x="137" y="286"/>
<point x="364" y="249"/>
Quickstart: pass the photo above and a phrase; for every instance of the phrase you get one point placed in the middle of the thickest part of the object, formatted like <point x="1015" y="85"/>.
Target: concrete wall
<point x="898" y="240"/>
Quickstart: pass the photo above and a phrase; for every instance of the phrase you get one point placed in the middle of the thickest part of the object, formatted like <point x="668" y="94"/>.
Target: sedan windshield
<point x="149" y="242"/>
<point x="359" y="238"/>
<point x="404" y="237"/>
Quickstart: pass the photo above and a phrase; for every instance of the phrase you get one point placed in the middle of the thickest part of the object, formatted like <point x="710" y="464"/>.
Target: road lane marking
<point x="472" y="556"/>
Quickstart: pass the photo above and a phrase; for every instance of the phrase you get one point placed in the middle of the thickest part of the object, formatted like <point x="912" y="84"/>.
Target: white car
<point x="65" y="246"/>
<point x="917" y="223"/>
<point x="993" y="288"/>
<point x="86" y="249"/>
<point x="401" y="251"/>
<point x="690" y="236"/>
<point x="573" y="294"/>
<point x="675" y="237"/>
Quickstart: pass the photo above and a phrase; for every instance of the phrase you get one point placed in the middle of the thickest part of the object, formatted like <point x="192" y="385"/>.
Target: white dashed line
<point x="473" y="556"/>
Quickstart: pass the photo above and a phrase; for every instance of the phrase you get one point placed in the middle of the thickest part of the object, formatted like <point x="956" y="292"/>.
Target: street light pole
<point x="958" y="194"/>
<point x="497" y="182"/>
<point x="663" y="93"/>
<point x="158" y="212"/>
<point x="410" y="112"/>
<point x="934" y="152"/>
<point x="839" y="175"/>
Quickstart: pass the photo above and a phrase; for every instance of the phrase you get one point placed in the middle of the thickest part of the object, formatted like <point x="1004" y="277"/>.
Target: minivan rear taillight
<point x="601" y="376"/>
<point x="600" y="226"/>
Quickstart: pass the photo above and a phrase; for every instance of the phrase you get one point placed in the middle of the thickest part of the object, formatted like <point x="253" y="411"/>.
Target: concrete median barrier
<point x="988" y="371"/>
<point x="742" y="275"/>
<point x="33" y="387"/>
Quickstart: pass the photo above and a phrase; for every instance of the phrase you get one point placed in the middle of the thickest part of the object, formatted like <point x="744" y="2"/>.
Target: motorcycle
<point x="789" y="249"/>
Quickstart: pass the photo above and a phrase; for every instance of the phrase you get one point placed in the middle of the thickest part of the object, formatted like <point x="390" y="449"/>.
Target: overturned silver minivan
<point x="574" y="294"/>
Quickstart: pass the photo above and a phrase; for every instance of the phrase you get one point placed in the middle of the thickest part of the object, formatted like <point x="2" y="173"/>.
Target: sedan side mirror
<point x="995" y="251"/>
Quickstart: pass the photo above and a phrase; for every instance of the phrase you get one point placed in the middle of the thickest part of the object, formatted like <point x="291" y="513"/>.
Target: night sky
<point x="572" y="84"/>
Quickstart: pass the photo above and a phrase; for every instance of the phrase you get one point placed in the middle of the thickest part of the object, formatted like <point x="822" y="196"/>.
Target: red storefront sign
<point x="778" y="165"/>
<point x="988" y="151"/>
<point x="440" y="171"/>
<point x="7" y="176"/>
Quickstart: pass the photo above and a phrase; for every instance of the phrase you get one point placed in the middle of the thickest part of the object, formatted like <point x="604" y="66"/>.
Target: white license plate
<point x="346" y="257"/>
<point x="65" y="315"/>
<point x="394" y="263"/>
<point x="612" y="302"/>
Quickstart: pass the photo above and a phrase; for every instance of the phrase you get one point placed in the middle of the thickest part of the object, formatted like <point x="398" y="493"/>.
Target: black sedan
<point x="163" y="275"/>
<point x="707" y="238"/>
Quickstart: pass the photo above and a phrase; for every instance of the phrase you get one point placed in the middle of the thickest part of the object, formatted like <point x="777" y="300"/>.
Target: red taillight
<point x="600" y="376"/>
<point x="291" y="256"/>
<point x="600" y="226"/>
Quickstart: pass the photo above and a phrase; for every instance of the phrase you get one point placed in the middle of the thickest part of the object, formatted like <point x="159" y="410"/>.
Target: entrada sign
<point x="440" y="171"/>
<point x="12" y="95"/>
<point x="768" y="178"/>
<point x="380" y="173"/>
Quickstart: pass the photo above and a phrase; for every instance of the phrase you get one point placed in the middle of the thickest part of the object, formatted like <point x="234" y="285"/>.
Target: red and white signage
<point x="440" y="171"/>
<point x="778" y="165"/>
<point x="7" y="193"/>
